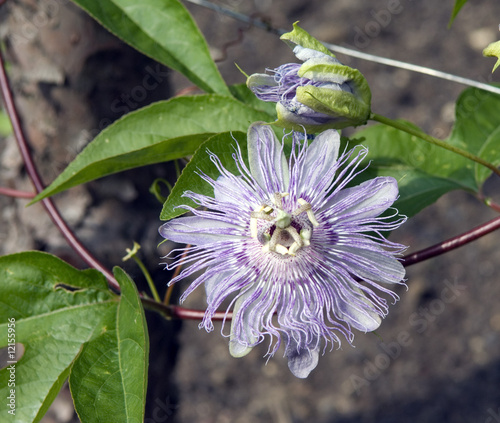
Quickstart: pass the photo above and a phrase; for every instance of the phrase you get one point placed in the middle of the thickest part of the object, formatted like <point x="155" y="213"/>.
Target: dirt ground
<point x="437" y="355"/>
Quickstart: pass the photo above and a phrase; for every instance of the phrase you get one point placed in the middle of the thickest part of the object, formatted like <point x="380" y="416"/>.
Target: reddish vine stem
<point x="15" y="193"/>
<point x="176" y="312"/>
<point x="452" y="243"/>
<point x="49" y="205"/>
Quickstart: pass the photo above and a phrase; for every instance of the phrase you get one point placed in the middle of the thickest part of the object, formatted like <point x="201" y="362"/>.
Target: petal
<point x="258" y="80"/>
<point x="362" y="318"/>
<point x="301" y="361"/>
<point x="239" y="344"/>
<point x="304" y="53"/>
<point x="320" y="158"/>
<point x="268" y="164"/>
<point x="371" y="265"/>
<point x="301" y="115"/>
<point x="214" y="280"/>
<point x="317" y="70"/>
<point x="367" y="200"/>
<point x="232" y="190"/>
<point x="199" y="231"/>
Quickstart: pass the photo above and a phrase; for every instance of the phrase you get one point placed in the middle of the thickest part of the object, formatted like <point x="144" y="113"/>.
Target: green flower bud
<point x="321" y="93"/>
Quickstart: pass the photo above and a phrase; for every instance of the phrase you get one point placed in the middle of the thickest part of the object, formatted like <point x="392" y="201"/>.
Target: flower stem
<point x="132" y="253"/>
<point x="176" y="312"/>
<point x="440" y="143"/>
<point x="452" y="243"/>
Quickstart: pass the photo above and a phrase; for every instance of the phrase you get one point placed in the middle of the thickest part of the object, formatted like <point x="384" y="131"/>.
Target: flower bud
<point x="321" y="93"/>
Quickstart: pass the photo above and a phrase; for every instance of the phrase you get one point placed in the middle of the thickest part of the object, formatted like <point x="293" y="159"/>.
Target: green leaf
<point x="477" y="129"/>
<point x="223" y="146"/>
<point x="424" y="172"/>
<point x="458" y="5"/>
<point x="163" y="131"/>
<point x="56" y="309"/>
<point x="163" y="30"/>
<point x="109" y="380"/>
<point x="493" y="50"/>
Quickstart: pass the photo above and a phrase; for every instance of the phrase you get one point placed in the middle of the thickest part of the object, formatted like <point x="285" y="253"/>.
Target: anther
<point x="308" y="210"/>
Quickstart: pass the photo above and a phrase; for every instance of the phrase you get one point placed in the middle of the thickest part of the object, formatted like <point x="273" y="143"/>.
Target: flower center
<point x="280" y="231"/>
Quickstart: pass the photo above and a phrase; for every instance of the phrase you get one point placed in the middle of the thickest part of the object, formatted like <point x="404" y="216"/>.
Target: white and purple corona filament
<point x="302" y="257"/>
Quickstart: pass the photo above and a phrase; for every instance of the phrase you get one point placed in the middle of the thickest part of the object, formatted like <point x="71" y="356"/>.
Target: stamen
<point x="282" y="223"/>
<point x="294" y="248"/>
<point x="277" y="200"/>
<point x="309" y="211"/>
<point x="312" y="218"/>
<point x="306" y="234"/>
<point x="295" y="235"/>
<point x="261" y="215"/>
<point x="281" y="250"/>
<point x="301" y="209"/>
<point x="253" y="227"/>
<point x="274" y="239"/>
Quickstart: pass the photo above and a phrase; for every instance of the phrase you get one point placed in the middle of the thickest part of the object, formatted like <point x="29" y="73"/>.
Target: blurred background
<point x="436" y="357"/>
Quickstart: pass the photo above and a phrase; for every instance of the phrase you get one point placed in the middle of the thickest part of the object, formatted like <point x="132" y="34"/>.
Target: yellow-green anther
<point x="309" y="212"/>
<point x="281" y="249"/>
<point x="294" y="248"/>
<point x="306" y="234"/>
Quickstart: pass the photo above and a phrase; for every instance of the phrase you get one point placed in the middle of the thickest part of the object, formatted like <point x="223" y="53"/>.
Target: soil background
<point x="437" y="355"/>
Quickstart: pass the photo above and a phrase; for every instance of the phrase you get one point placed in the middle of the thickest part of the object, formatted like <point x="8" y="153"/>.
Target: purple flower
<point x="301" y="255"/>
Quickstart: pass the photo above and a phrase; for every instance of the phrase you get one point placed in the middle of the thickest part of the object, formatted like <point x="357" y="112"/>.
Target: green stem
<point x="146" y="274"/>
<point x="132" y="253"/>
<point x="422" y="135"/>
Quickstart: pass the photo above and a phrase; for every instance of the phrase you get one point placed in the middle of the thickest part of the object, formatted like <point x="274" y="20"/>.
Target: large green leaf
<point x="163" y="131"/>
<point x="477" y="129"/>
<point x="424" y="172"/>
<point x="163" y="30"/>
<point x="109" y="380"/>
<point x="223" y="146"/>
<point x="56" y="309"/>
<point x="456" y="8"/>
